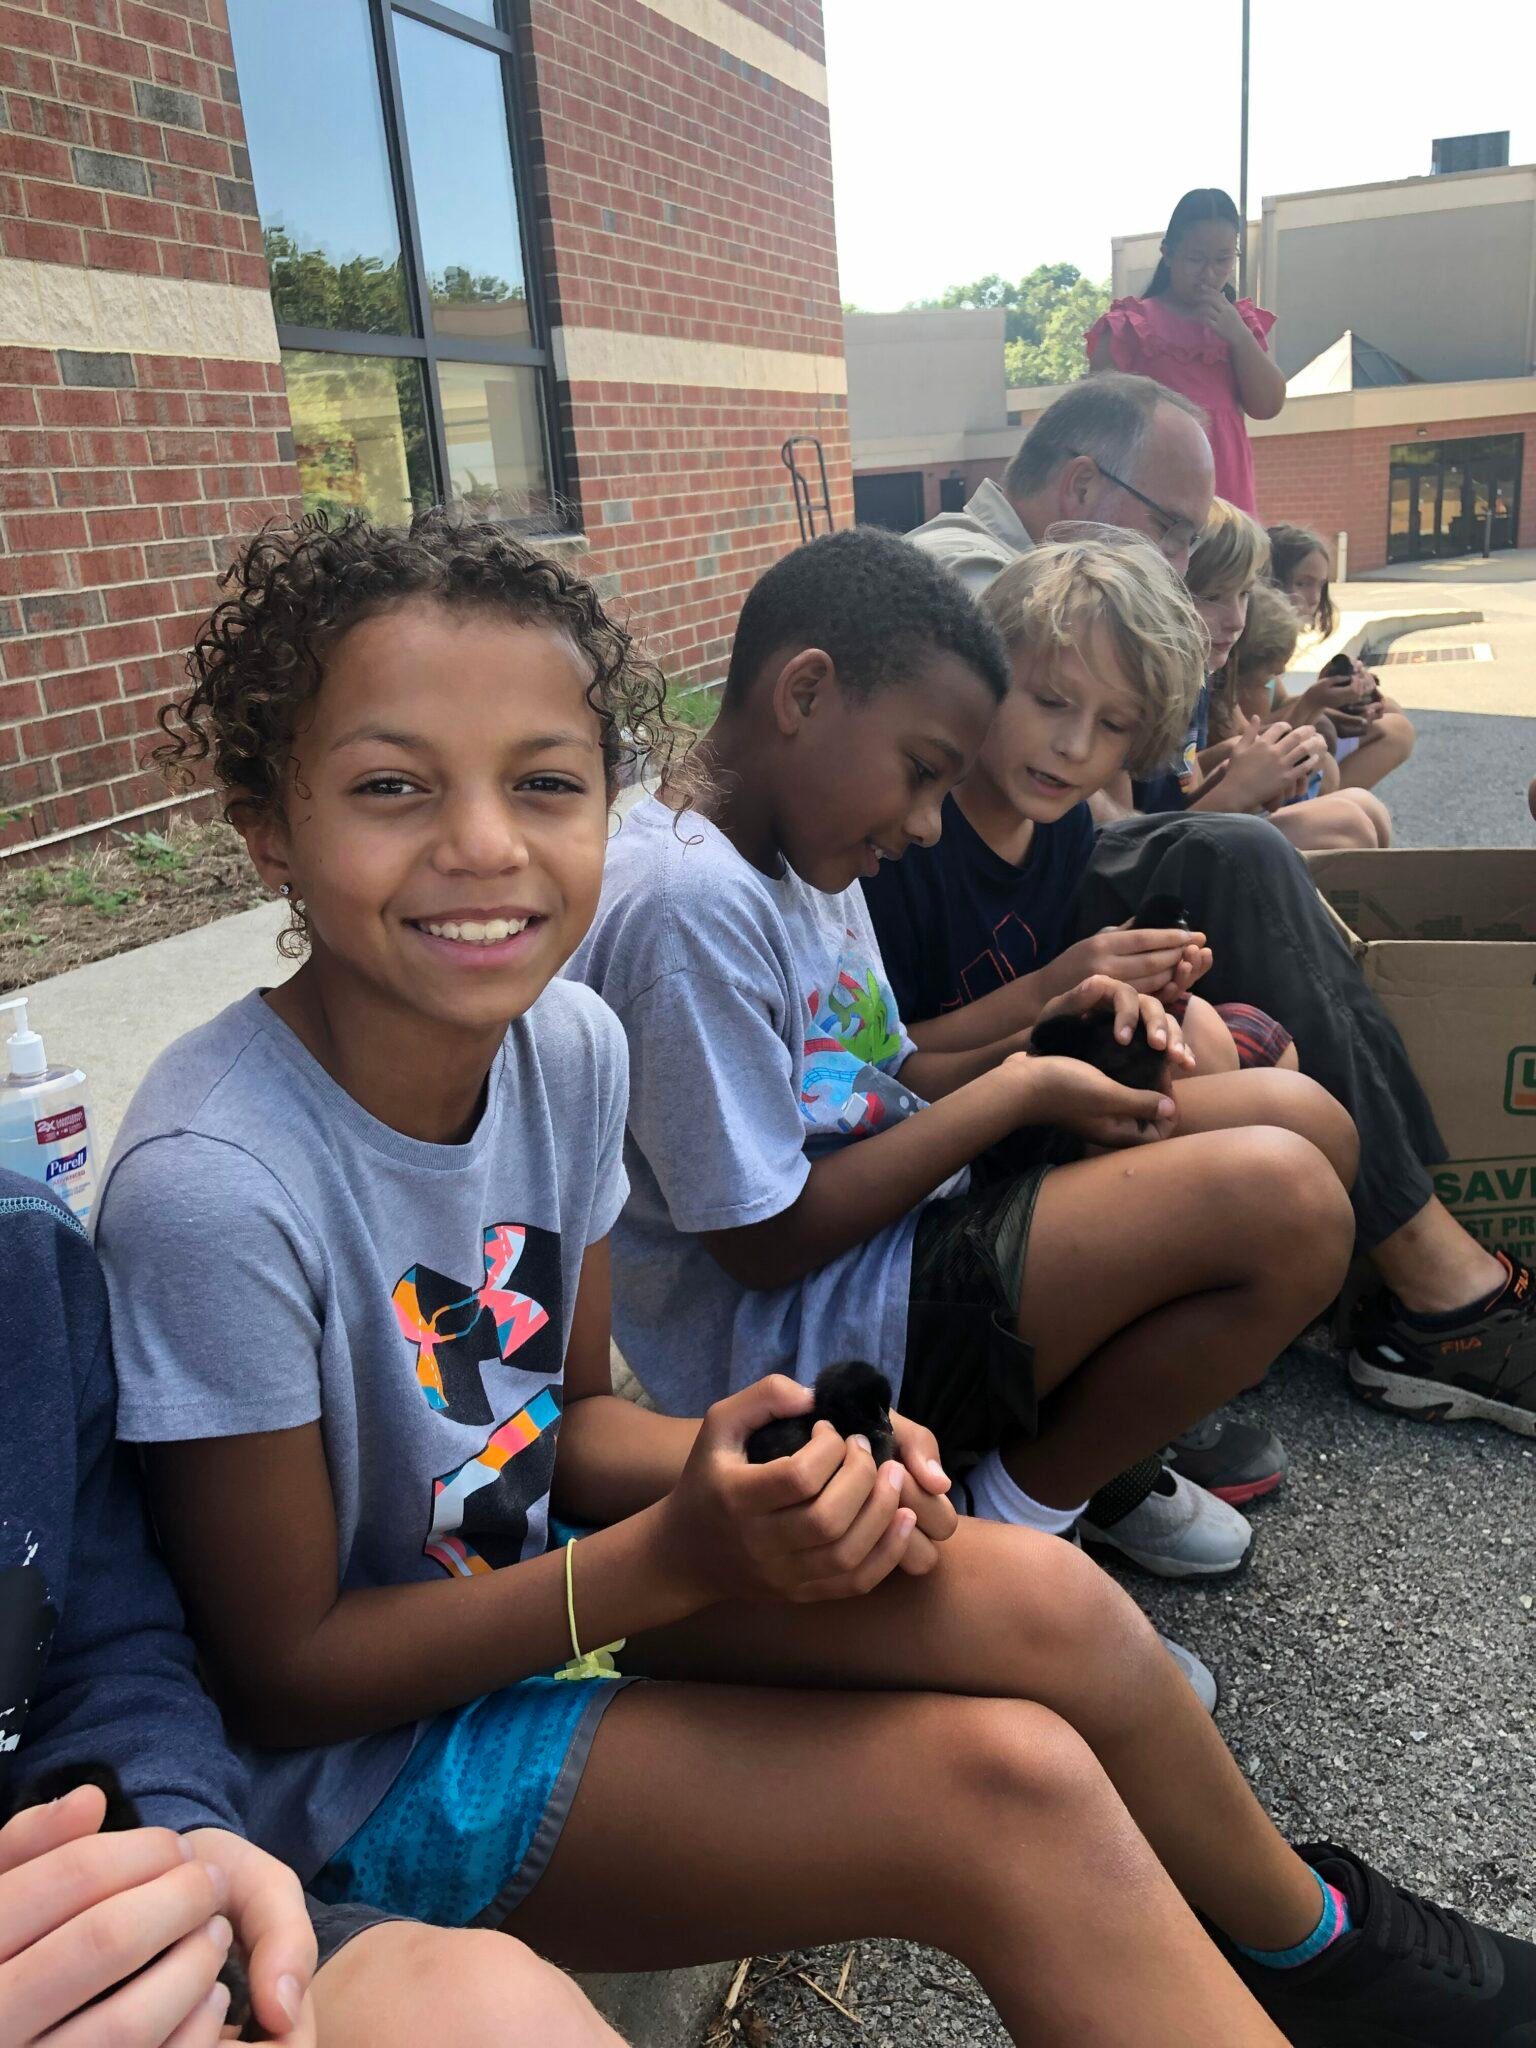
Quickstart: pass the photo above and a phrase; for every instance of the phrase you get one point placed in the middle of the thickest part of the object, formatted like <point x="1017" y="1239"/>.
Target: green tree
<point x="1047" y="313"/>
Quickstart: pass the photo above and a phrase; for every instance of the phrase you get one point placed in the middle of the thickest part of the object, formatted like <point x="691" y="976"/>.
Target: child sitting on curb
<point x="735" y="949"/>
<point x="1107" y="654"/>
<point x="96" y="1671"/>
<point x="1266" y="765"/>
<point x="357" y="1235"/>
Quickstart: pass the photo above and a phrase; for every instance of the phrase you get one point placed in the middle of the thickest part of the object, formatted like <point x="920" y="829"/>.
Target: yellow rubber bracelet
<point x="596" y="1663"/>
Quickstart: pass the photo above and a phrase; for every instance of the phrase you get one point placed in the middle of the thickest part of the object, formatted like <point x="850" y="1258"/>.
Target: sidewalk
<point x="113" y="1018"/>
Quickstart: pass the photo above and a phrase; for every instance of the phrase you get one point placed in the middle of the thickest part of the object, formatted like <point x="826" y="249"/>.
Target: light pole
<point x="1242" y="173"/>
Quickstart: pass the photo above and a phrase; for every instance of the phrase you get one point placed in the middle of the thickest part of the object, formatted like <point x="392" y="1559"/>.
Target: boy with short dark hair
<point x="800" y="1168"/>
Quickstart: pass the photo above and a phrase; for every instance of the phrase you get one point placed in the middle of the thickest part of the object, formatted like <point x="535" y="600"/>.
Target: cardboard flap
<point x="1445" y="894"/>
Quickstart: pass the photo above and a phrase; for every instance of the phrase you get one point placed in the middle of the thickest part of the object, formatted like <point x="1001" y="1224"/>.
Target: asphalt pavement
<point x="1376" y="1657"/>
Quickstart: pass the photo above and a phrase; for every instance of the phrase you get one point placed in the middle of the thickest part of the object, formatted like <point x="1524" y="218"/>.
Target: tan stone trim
<point x="56" y="305"/>
<point x="609" y="355"/>
<point x="713" y="22"/>
<point x="1400" y="405"/>
<point x="1339" y="205"/>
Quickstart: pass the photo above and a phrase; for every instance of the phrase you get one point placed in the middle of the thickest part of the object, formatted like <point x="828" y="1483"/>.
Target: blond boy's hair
<point x="1232" y="554"/>
<point x="1085" y="575"/>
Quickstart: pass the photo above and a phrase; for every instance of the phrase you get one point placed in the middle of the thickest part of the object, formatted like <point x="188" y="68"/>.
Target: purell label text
<point x="53" y="1130"/>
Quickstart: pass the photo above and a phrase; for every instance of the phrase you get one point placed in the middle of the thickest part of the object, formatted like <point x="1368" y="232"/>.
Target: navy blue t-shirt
<point x="956" y="921"/>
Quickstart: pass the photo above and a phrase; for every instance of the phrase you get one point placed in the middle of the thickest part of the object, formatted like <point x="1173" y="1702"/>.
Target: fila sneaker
<point x="1447" y="1370"/>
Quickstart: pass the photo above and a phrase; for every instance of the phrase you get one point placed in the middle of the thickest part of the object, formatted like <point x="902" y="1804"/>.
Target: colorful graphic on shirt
<point x="852" y="1029"/>
<point x="464" y="1336"/>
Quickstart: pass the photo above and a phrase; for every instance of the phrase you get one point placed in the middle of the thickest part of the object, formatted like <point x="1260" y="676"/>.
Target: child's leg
<point x="1206" y="1035"/>
<point x="1161" y="1281"/>
<point x="1012" y="1614"/>
<point x="718" y="1821"/>
<point x="400" y="1984"/>
<point x="1374" y="809"/>
<point x="1279" y="1097"/>
<point x="1327" y="824"/>
<point x="1385" y="745"/>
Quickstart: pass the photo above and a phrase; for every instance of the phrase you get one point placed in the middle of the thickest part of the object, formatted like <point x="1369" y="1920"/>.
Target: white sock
<point x="997" y="1497"/>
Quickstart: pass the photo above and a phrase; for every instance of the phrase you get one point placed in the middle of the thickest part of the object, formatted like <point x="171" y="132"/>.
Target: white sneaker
<point x="1179" y="1531"/>
<point x="1199" y="1675"/>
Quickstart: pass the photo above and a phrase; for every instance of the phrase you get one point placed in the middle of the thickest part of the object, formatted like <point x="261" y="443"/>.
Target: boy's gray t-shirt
<point x="276" y="1256"/>
<point x="761" y="1031"/>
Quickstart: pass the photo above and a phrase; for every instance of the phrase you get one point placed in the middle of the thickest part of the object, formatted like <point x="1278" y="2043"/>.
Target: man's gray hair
<point x="1107" y="416"/>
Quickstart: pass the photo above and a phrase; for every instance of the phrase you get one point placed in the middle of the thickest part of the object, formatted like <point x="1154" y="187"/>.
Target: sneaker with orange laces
<point x="1477" y="1367"/>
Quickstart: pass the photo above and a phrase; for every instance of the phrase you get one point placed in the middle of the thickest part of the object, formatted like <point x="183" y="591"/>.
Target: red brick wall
<point x="122" y="475"/>
<point x="1339" y="482"/>
<point x="125" y="148"/>
<point x="685" y="196"/>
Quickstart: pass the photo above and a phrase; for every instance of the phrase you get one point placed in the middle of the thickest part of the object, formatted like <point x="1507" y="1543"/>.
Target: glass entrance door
<point x="1441" y="495"/>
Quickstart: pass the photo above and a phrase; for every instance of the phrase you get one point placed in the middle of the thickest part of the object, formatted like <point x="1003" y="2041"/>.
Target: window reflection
<point x="359" y="431"/>
<point x="461" y="169"/>
<point x="495" y="445"/>
<point x="309" y="90"/>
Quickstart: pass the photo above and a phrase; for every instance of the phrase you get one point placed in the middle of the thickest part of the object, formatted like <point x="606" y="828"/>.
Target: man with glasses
<point x="1120" y="450"/>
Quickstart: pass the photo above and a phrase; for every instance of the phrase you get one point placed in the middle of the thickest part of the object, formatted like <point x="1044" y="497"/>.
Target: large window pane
<point x="491" y="416"/>
<point x="360" y="434"/>
<point x="461" y="167"/>
<point x="309" y="88"/>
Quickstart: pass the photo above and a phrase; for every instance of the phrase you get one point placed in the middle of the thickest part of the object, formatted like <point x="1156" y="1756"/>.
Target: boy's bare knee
<point x="403" y="1983"/>
<point x="1298" y="1211"/>
<point x="1010" y="1761"/>
<point x="1293" y="1101"/>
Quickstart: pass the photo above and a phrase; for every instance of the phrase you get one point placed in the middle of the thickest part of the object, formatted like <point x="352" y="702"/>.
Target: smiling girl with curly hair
<point x="356" y="1233"/>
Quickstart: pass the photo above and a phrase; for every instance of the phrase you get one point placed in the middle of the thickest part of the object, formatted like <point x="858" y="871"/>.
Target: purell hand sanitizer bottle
<point x="45" y="1119"/>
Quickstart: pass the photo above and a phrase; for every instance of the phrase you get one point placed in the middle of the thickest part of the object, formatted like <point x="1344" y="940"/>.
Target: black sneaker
<point x="1237" y="1461"/>
<point x="1483" y="1370"/>
<point x="1407" y="1975"/>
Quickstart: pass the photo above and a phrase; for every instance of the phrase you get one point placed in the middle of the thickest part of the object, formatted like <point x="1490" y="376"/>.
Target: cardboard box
<point x="1446" y="938"/>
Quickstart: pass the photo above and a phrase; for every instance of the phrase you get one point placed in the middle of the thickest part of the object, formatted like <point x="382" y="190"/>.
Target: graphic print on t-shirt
<point x="27" y="1617"/>
<point x="1013" y="952"/>
<point x="465" y="1335"/>
<point x="851" y="1030"/>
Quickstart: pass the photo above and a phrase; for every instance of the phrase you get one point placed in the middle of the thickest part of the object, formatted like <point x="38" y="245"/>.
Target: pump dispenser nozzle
<point x="28" y="1059"/>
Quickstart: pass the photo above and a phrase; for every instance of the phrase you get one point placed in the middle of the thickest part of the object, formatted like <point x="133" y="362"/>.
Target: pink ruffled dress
<point x="1149" y="339"/>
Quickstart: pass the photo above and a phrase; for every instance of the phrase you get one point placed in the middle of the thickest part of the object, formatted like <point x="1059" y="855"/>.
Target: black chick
<point x="1091" y="1038"/>
<point x="1161" y="914"/>
<point x="854" y="1397"/>
<point x="121" y="1815"/>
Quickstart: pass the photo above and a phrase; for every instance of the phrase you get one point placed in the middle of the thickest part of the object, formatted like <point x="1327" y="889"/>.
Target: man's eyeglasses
<point x="1175" y="534"/>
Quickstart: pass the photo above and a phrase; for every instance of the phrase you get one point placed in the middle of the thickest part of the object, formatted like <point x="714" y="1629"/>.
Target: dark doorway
<point x="894" y="500"/>
<point x="1454" y="497"/>
<point x="952" y="494"/>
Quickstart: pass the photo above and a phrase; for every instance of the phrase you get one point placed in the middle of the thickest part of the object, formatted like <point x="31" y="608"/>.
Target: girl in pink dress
<point x="1190" y="333"/>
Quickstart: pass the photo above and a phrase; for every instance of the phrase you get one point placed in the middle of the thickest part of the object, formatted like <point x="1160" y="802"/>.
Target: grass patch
<point x="693" y="707"/>
<point x="55" y="915"/>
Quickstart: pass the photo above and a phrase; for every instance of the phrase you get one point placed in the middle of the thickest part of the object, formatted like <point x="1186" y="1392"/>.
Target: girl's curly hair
<point x="294" y="589"/>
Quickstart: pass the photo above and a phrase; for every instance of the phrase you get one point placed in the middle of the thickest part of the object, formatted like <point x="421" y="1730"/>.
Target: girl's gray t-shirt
<point x="762" y="1031"/>
<point x="276" y="1256"/>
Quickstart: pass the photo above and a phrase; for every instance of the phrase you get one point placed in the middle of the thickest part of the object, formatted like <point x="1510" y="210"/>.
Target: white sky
<point x="978" y="135"/>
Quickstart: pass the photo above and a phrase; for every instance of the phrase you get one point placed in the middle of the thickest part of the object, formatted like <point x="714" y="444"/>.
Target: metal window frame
<point x="425" y="346"/>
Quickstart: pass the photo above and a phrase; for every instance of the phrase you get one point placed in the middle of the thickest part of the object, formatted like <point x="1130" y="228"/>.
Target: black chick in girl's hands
<point x="854" y="1397"/>
<point x="1091" y="1038"/>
